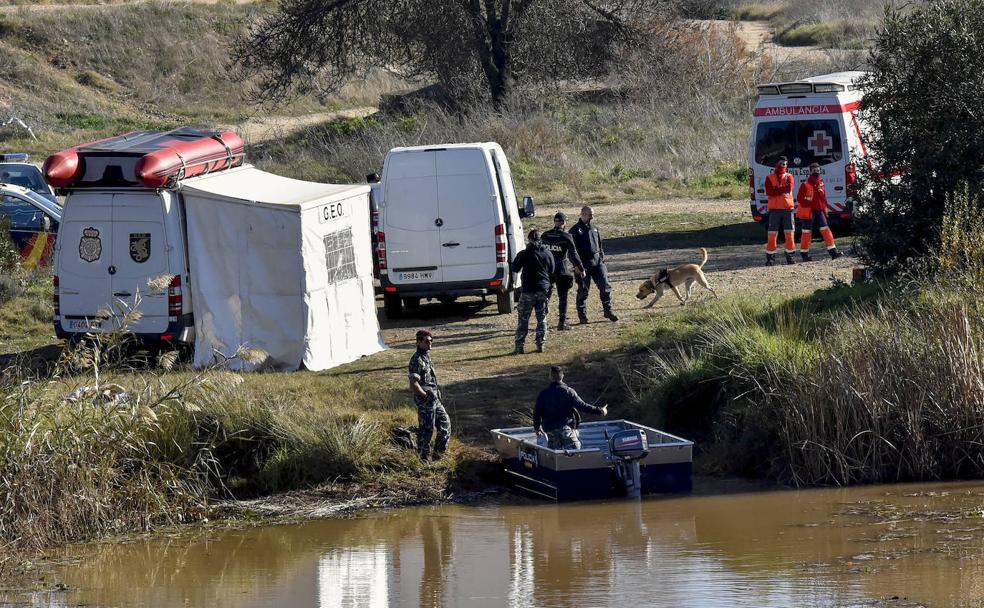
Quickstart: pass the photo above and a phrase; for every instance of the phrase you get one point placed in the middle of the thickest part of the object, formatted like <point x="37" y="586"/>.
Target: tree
<point x="924" y="100"/>
<point x="474" y="48"/>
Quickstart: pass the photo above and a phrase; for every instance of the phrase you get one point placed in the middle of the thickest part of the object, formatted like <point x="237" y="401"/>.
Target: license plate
<point x="84" y="324"/>
<point x="416" y="276"/>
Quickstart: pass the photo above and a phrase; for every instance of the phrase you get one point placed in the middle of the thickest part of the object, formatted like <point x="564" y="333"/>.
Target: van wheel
<point x="505" y="302"/>
<point x="411" y="303"/>
<point x="392" y="306"/>
<point x="446" y="300"/>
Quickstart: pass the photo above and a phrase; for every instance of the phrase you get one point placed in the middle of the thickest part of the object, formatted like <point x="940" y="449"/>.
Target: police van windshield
<point x="801" y="141"/>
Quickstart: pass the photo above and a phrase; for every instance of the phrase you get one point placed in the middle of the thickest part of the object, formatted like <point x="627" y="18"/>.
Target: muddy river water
<point x="884" y="545"/>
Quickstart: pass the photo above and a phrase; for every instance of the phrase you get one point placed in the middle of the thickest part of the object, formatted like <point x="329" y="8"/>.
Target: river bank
<point x="903" y="545"/>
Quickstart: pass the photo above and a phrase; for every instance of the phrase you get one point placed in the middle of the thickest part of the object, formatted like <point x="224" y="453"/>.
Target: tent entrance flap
<point x="288" y="272"/>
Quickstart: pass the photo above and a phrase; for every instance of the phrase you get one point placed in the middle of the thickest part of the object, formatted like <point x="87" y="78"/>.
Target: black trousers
<point x="564" y="283"/>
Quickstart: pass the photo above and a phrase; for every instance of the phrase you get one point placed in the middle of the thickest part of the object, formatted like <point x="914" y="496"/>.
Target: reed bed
<point x="886" y="387"/>
<point x="105" y="447"/>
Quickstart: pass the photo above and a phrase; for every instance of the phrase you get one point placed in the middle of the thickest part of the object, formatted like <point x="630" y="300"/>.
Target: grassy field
<point x="66" y="78"/>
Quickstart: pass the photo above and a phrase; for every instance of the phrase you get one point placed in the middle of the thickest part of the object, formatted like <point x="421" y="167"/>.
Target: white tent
<point x="281" y="265"/>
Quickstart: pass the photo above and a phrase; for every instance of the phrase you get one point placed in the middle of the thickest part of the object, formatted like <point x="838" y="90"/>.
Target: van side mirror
<point x="372" y="178"/>
<point x="45" y="223"/>
<point x="528" y="209"/>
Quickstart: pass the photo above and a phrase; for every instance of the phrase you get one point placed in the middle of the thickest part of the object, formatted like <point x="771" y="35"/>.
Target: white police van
<point x="448" y="225"/>
<point x="814" y="120"/>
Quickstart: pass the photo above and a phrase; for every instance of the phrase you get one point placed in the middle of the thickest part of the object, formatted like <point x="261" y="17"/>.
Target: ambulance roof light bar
<point x="793" y="88"/>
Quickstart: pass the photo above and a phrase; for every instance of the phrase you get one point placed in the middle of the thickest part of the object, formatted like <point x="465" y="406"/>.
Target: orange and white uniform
<point x="779" y="188"/>
<point x="812" y="213"/>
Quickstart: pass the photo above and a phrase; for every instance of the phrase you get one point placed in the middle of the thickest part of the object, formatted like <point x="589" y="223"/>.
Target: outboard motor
<point x="628" y="448"/>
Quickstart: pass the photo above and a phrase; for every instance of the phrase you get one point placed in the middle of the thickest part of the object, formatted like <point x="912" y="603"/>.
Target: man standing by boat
<point x="426" y="394"/>
<point x="555" y="413"/>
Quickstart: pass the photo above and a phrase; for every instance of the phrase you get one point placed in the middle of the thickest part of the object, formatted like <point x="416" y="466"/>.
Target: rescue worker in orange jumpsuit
<point x="779" y="188"/>
<point x="812" y="213"/>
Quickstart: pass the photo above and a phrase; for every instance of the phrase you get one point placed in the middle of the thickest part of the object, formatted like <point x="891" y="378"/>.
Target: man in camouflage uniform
<point x="555" y="413"/>
<point x="537" y="267"/>
<point x="427" y="396"/>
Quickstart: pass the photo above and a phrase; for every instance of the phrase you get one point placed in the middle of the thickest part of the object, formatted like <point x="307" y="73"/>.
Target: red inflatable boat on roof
<point x="148" y="159"/>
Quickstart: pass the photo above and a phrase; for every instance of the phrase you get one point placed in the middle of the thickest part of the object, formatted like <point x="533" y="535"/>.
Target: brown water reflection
<point x="804" y="548"/>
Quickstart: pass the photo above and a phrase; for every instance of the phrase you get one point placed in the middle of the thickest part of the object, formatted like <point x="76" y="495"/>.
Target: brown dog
<point x="684" y="274"/>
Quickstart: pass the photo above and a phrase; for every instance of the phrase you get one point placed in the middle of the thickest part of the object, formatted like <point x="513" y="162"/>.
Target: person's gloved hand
<point x="604" y="410"/>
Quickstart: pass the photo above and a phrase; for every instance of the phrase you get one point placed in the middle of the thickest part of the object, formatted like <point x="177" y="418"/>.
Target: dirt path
<point x="758" y="37"/>
<point x="261" y="129"/>
<point x="488" y="386"/>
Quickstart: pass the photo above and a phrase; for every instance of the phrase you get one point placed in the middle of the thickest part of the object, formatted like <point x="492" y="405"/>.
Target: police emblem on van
<point x="90" y="245"/>
<point x="140" y="247"/>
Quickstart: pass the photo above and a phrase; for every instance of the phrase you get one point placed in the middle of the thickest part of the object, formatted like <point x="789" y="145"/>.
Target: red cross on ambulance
<point x="819" y="143"/>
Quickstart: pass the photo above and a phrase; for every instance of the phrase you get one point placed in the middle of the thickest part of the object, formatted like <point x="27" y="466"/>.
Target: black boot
<point x="770" y="259"/>
<point x="563" y="326"/>
<point x="610" y="315"/>
<point x="789" y="259"/>
<point x="834" y="254"/>
<point x="582" y="318"/>
<point x="805" y="255"/>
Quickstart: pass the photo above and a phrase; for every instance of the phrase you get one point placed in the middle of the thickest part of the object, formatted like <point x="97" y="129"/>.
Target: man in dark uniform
<point x="427" y="396"/>
<point x="556" y="411"/>
<point x="587" y="239"/>
<point x="537" y="266"/>
<point x="566" y="262"/>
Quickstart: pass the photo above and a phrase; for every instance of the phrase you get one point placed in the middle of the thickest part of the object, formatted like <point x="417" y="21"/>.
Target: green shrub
<point x="922" y="101"/>
<point x="9" y="255"/>
<point x="11" y="287"/>
<point x="758" y="12"/>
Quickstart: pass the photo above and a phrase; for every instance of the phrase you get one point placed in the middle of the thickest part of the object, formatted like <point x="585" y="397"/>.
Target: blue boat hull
<point x="592" y="484"/>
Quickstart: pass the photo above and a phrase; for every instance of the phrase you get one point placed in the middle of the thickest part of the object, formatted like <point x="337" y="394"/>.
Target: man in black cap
<point x="566" y="262"/>
<point x="555" y="413"/>
<point x="427" y="396"/>
<point x="537" y="266"/>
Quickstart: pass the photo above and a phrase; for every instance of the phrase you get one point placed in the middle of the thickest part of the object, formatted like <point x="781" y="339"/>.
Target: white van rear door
<point x="467" y="203"/>
<point x="140" y="254"/>
<point x="83" y="260"/>
<point x="410" y="222"/>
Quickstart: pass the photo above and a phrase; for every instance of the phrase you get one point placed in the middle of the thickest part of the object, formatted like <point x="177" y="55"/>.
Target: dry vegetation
<point x="65" y="76"/>
<point x="844" y="24"/>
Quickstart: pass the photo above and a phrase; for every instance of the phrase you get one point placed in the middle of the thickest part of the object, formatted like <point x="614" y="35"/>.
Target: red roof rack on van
<point x="148" y="159"/>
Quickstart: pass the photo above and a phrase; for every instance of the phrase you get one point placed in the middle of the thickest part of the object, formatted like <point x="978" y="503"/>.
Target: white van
<point x="449" y="224"/>
<point x="110" y="243"/>
<point x="813" y="120"/>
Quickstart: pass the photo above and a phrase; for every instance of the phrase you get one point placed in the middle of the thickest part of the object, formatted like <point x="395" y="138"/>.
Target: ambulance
<point x="814" y="120"/>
